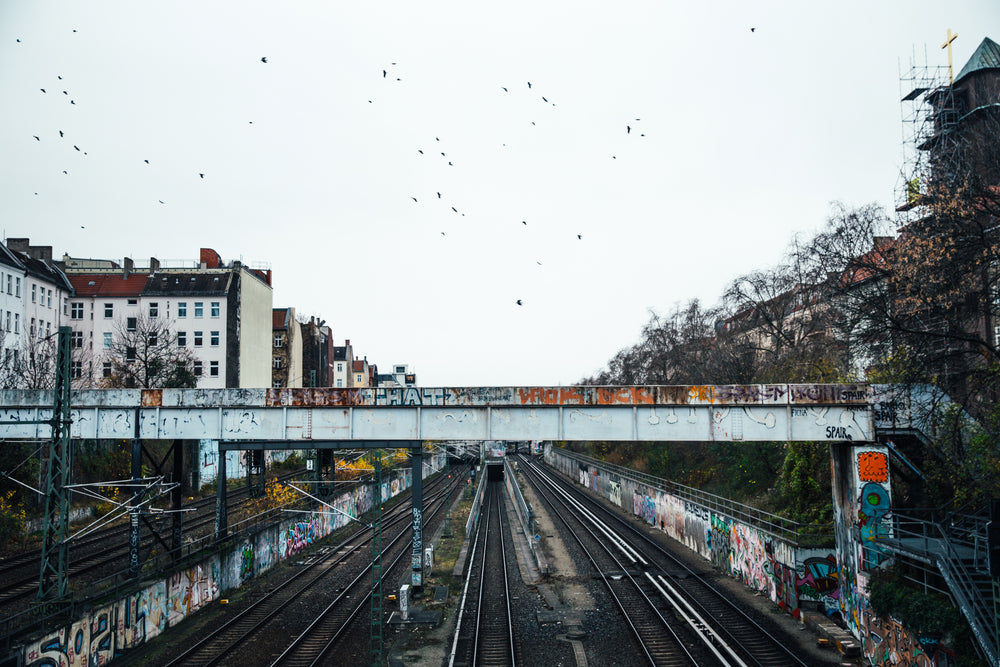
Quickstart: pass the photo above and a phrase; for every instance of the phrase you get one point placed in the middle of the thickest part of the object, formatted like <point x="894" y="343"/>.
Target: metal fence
<point x="792" y="532"/>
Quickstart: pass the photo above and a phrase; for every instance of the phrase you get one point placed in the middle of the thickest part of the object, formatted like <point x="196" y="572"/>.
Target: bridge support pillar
<point x="861" y="503"/>
<point x="177" y="498"/>
<point x="417" y="484"/>
<point x="134" y="531"/>
<point x="221" y="520"/>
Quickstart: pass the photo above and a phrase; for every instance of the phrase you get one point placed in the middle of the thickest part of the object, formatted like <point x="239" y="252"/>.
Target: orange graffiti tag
<point x="873" y="467"/>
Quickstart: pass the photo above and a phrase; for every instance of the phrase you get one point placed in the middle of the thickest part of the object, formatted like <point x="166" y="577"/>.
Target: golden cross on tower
<point x="947" y="44"/>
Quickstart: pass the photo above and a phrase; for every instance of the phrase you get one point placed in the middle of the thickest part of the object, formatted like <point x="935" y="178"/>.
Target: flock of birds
<point x="631" y="128"/>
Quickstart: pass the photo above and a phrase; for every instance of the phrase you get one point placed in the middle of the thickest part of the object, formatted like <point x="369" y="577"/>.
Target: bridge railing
<point x="477" y="504"/>
<point x="793" y="532"/>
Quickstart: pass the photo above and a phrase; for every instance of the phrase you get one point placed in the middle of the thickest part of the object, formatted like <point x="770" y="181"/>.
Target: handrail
<point x="794" y="532"/>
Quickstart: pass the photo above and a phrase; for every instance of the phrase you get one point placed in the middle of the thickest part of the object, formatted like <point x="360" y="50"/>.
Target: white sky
<point x="311" y="159"/>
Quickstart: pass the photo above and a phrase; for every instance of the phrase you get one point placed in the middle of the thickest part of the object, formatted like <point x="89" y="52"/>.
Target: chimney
<point x="347" y="342"/>
<point x="19" y="245"/>
<point x="129" y="266"/>
<point x="154" y="265"/>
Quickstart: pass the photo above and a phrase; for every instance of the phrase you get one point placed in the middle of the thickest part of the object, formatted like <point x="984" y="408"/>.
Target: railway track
<point x="342" y="572"/>
<point x="483" y="633"/>
<point x="728" y="634"/>
<point x="103" y="553"/>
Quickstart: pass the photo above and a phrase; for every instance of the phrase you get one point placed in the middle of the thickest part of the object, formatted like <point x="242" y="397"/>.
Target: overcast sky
<point x="661" y="149"/>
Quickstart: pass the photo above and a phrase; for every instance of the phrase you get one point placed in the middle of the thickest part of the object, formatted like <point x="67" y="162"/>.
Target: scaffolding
<point x="930" y="118"/>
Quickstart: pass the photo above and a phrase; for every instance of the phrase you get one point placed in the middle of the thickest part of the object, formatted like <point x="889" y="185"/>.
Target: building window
<point x="133" y="302"/>
<point x="49" y="304"/>
<point x="213" y="369"/>
<point x="154" y="310"/>
<point x="8" y="320"/>
<point x="17" y="323"/>
<point x="279" y="340"/>
<point x="76" y="311"/>
<point x="199" y="309"/>
<point x="182" y="309"/>
<point x="182" y="339"/>
<point x="131" y="324"/>
<point x="76" y="369"/>
<point x="17" y="288"/>
<point x="358" y="378"/>
<point x="340" y="368"/>
<point x="153" y="339"/>
<point x="197" y="368"/>
<point x="276" y="384"/>
<point x="107" y="340"/>
<point x="400" y="369"/>
<point x="10" y="284"/>
<point x="277" y="362"/>
<point x="109" y="310"/>
<point x="129" y="353"/>
<point x="214" y="338"/>
<point x="33" y="290"/>
<point x="32" y="334"/>
<point x="340" y="382"/>
<point x="106" y="369"/>
<point x="197" y="338"/>
<point x="215" y="309"/>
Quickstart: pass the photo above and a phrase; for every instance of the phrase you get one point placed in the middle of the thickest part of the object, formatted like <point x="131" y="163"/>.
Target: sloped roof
<point x="279" y="318"/>
<point x="188" y="284"/>
<point x="103" y="284"/>
<point x="986" y="56"/>
<point x="10" y="258"/>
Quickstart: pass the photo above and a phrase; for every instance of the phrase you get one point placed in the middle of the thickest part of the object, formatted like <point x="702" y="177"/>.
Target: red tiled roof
<point x="107" y="284"/>
<point x="278" y="316"/>
<point x="359" y="365"/>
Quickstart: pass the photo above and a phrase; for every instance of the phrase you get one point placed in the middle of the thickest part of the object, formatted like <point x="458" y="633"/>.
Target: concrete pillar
<point x="221" y="520"/>
<point x="416" y="555"/>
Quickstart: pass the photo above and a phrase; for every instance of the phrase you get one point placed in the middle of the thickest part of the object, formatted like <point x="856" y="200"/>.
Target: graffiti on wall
<point x="104" y="634"/>
<point x="109" y="632"/>
<point x="819" y="581"/>
<point x="615" y="493"/>
<point x="886" y="642"/>
<point x="644" y="508"/>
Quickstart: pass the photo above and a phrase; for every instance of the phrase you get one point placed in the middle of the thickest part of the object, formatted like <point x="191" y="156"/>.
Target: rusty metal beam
<point x="302" y="418"/>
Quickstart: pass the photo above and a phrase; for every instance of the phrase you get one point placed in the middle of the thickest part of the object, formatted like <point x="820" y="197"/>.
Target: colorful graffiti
<point x="873" y="506"/>
<point x="106" y="633"/>
<point x="873" y="467"/>
<point x="644" y="507"/>
<point x="247" y="562"/>
<point x="886" y="642"/>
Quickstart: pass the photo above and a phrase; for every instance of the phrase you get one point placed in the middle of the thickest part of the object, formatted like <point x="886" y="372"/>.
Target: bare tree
<point x="144" y="354"/>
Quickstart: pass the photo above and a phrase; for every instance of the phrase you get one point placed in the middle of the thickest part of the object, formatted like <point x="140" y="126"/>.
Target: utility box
<point x="404" y="602"/>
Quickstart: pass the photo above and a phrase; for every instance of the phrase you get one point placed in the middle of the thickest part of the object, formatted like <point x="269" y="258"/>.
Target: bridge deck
<point x="297" y="418"/>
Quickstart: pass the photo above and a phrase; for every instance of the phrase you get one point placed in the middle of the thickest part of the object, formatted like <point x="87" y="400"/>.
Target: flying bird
<point x="524" y="222"/>
<point x="264" y="59"/>
<point x="450" y="164"/>
<point x="752" y="29"/>
<point x="529" y="84"/>
<point x="72" y="102"/>
<point x="504" y="87"/>
<point x="36" y="137"/>
<point x="543" y="99"/>
<point x="65" y="93"/>
<point x="439" y="195"/>
<point x="60" y="133"/>
<point x="146" y="161"/>
<point x="628" y="129"/>
<point x="384" y="74"/>
<point x="76" y="147"/>
<point x="161" y="201"/>
<point x="454" y="209"/>
<point x="201" y="175"/>
<point x="19" y="41"/>
<point x="420" y="151"/>
<point x="519" y="302"/>
<point x="413" y="198"/>
<point x="579" y="236"/>
<point x="42" y="89"/>
<point x="58" y="77"/>
<point x="65" y="172"/>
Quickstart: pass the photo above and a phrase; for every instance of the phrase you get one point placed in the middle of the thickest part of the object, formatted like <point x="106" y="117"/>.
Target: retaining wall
<point x="110" y="631"/>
